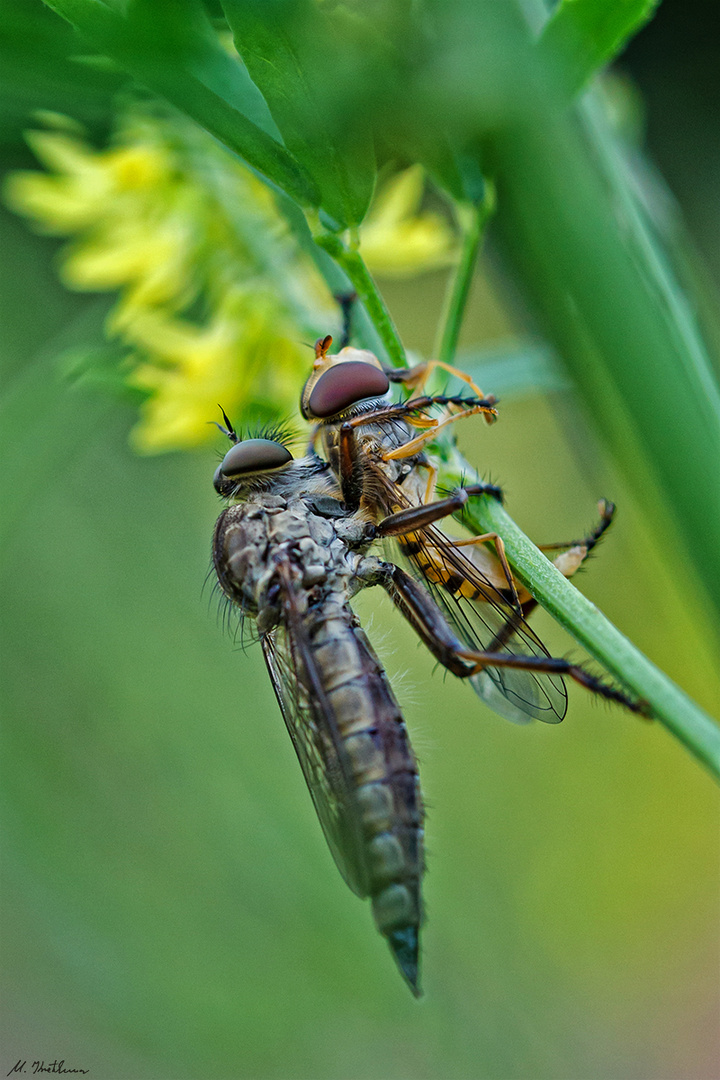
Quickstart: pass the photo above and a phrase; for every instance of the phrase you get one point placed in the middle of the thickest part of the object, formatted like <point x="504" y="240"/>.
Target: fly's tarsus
<point x="606" y="511"/>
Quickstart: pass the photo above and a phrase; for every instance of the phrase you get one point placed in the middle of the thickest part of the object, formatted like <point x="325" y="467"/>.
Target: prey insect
<point x="291" y="554"/>
<point x="375" y="448"/>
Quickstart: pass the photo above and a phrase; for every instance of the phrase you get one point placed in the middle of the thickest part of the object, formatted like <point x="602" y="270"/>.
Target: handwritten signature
<point x="40" y="1067"/>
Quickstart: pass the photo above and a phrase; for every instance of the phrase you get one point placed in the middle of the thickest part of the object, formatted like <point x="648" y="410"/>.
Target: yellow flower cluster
<point x="399" y="240"/>
<point x="214" y="302"/>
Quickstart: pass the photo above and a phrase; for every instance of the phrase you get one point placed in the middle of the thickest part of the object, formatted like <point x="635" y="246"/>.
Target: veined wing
<point x="484" y="621"/>
<point x="313" y="728"/>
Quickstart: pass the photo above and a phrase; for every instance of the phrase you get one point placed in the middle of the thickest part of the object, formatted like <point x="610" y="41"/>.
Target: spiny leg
<point x="607" y="513"/>
<point x="405" y="410"/>
<point x="418" y="517"/>
<point x="557" y="666"/>
<point x="427" y="620"/>
<point x="416" y="377"/>
<point x="433" y="427"/>
<point x="573" y="555"/>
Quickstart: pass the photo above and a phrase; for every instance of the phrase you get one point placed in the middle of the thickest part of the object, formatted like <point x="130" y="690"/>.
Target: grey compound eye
<point x="253" y="456"/>
<point x="344" y="385"/>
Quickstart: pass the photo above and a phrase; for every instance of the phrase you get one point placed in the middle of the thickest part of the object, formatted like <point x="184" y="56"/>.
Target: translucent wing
<point x="484" y="621"/>
<point x="313" y="728"/>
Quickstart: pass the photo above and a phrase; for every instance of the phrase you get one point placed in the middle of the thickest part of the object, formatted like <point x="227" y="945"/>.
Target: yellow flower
<point x="85" y="182"/>
<point x="396" y="240"/>
<point x="176" y="226"/>
<point x="242" y="360"/>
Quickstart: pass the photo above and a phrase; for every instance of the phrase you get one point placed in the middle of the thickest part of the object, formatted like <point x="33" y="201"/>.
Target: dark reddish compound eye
<point x="344" y="385"/>
<point x="254" y="455"/>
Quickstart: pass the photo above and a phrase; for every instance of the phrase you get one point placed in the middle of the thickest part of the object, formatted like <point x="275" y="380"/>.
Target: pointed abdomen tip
<point x="405" y="945"/>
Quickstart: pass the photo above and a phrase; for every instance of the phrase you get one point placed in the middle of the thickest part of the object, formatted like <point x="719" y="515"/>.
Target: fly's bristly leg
<point x="557" y="665"/>
<point x="416" y="377"/>
<point x="406" y="410"/>
<point x="430" y="625"/>
<point x="606" y="510"/>
<point x="573" y="555"/>
<point x="418" y="517"/>
<point x="350" y="467"/>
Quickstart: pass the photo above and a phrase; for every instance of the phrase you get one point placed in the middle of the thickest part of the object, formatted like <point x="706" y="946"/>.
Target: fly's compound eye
<point x="254" y="455"/>
<point x="248" y="457"/>
<point x="344" y="385"/>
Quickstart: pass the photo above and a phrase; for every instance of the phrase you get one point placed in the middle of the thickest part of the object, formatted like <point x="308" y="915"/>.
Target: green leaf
<point x="286" y="46"/>
<point x="38" y="71"/>
<point x="183" y="34"/>
<point x="150" y="58"/>
<point x="584" y="35"/>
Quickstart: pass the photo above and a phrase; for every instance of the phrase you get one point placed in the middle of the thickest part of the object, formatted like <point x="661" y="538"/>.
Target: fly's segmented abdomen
<point x="383" y="767"/>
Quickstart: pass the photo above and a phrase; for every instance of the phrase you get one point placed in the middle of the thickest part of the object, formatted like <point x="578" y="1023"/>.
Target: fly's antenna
<point x="228" y="430"/>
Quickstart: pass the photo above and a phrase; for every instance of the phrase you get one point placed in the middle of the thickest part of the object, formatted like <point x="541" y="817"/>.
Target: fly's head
<point x="265" y="464"/>
<point x="342" y="384"/>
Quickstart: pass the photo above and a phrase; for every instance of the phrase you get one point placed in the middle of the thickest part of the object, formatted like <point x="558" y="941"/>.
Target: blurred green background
<point x="169" y="906"/>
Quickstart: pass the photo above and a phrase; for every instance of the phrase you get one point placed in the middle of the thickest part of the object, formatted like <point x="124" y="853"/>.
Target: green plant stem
<point x="459" y="287"/>
<point x="350" y="260"/>
<point x="668" y="703"/>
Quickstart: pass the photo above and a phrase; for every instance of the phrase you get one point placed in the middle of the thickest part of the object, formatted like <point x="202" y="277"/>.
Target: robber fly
<point x="375" y="449"/>
<point x="291" y="554"/>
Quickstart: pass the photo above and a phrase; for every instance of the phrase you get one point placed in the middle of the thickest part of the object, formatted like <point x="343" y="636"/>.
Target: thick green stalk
<point x="474" y="220"/>
<point x="668" y="703"/>
<point x="351" y="261"/>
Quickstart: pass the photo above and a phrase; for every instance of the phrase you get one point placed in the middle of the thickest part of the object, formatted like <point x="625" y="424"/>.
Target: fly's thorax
<point x="252" y="538"/>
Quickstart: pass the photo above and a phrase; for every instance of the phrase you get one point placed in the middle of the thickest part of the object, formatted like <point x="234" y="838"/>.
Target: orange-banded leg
<point x="432" y="426"/>
<point x="417" y="376"/>
<point x="493" y="538"/>
<point x="572" y="555"/>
